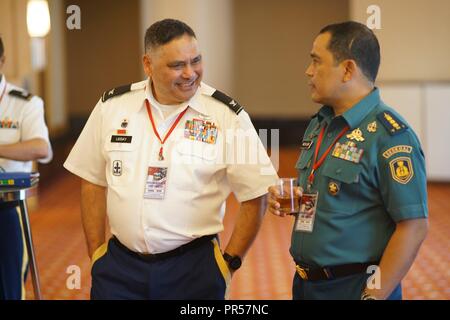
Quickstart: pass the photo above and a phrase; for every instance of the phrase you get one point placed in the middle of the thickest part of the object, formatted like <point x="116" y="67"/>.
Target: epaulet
<point x="230" y="102"/>
<point x="116" y="92"/>
<point x="391" y="122"/>
<point x="20" y="94"/>
<point x="314" y="115"/>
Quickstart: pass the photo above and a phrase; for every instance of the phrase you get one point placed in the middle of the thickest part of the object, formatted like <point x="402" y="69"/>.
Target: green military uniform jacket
<point x="372" y="178"/>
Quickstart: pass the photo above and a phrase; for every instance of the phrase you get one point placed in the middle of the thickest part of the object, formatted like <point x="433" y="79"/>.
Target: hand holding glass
<point x="288" y="199"/>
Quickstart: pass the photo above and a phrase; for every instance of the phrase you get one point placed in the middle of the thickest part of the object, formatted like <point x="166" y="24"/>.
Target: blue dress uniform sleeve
<point x="402" y="176"/>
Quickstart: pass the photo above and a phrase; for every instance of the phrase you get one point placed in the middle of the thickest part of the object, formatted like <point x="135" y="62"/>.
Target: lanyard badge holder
<point x="308" y="203"/>
<point x="155" y="184"/>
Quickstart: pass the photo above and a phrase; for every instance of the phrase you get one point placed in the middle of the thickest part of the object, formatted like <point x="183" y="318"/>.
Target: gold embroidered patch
<point x="401" y="169"/>
<point x="356" y="135"/>
<point x="401" y="148"/>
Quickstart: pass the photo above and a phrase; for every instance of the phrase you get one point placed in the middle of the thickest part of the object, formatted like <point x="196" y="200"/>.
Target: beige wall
<point x="13" y="29"/>
<point x="414" y="38"/>
<point x="212" y="21"/>
<point x="104" y="54"/>
<point x="272" y="44"/>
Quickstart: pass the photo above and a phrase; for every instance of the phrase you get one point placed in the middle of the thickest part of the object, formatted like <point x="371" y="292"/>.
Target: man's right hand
<point x="273" y="206"/>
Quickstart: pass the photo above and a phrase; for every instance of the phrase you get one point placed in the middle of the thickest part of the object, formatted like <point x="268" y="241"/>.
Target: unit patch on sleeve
<point x="397" y="149"/>
<point x="401" y="169"/>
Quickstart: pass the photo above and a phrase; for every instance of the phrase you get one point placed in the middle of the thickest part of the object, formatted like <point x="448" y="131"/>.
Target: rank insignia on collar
<point x="347" y="151"/>
<point x="372" y="127"/>
<point x="356" y="135"/>
<point x="401" y="169"/>
<point x="333" y="188"/>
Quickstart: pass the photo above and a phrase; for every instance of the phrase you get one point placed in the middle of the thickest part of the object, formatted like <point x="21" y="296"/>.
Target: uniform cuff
<point x="409" y="212"/>
<point x="84" y="175"/>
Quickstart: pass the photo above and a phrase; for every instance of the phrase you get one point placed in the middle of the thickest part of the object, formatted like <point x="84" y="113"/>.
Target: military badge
<point x="333" y="188"/>
<point x="347" y="151"/>
<point x="401" y="169"/>
<point x="356" y="135"/>
<point x="8" y="123"/>
<point x="400" y="148"/>
<point x="124" y="123"/>
<point x="200" y="130"/>
<point x="117" y="168"/>
<point x="372" y="127"/>
<point x="392" y="124"/>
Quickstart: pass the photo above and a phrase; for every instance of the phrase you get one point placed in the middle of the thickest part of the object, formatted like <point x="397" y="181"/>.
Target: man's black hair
<point x="164" y="31"/>
<point x="354" y="40"/>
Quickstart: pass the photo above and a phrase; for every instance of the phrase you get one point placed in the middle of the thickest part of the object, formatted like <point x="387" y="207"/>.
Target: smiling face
<point x="326" y="77"/>
<point x="175" y="69"/>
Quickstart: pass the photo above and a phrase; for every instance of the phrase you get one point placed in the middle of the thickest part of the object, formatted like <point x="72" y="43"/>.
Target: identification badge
<point x="155" y="185"/>
<point x="307" y="213"/>
<point x="121" y="139"/>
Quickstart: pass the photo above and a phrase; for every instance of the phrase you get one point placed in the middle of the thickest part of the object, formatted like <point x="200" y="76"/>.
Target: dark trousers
<point x="194" y="274"/>
<point x="345" y="288"/>
<point x="13" y="258"/>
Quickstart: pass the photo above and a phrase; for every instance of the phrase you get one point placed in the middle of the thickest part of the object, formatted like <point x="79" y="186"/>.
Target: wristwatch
<point x="234" y="262"/>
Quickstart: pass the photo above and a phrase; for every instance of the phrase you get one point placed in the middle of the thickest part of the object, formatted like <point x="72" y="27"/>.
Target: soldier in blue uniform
<point x="363" y="168"/>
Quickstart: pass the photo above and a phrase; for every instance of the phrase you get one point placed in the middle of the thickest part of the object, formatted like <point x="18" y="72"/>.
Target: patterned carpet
<point x="267" y="270"/>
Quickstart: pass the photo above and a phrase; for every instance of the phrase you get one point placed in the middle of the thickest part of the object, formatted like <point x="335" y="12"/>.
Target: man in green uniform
<point x="363" y="169"/>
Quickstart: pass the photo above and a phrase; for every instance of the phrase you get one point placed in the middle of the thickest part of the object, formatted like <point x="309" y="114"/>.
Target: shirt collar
<point x="356" y="114"/>
<point x="326" y="112"/>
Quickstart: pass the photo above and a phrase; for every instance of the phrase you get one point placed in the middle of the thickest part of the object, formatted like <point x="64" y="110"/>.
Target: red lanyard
<point x="149" y="111"/>
<point x="317" y="164"/>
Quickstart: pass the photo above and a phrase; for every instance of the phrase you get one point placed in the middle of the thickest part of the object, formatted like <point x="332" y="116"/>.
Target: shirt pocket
<point x="9" y="135"/>
<point x="302" y="166"/>
<point x="196" y="165"/>
<point x="346" y="177"/>
<point x="197" y="152"/>
<point x="121" y="161"/>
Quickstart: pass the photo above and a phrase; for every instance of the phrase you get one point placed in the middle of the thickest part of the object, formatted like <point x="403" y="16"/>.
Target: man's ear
<point x="147" y="63"/>
<point x="350" y="69"/>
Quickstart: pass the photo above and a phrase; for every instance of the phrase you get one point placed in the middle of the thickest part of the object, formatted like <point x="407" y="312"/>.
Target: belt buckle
<point x="302" y="272"/>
